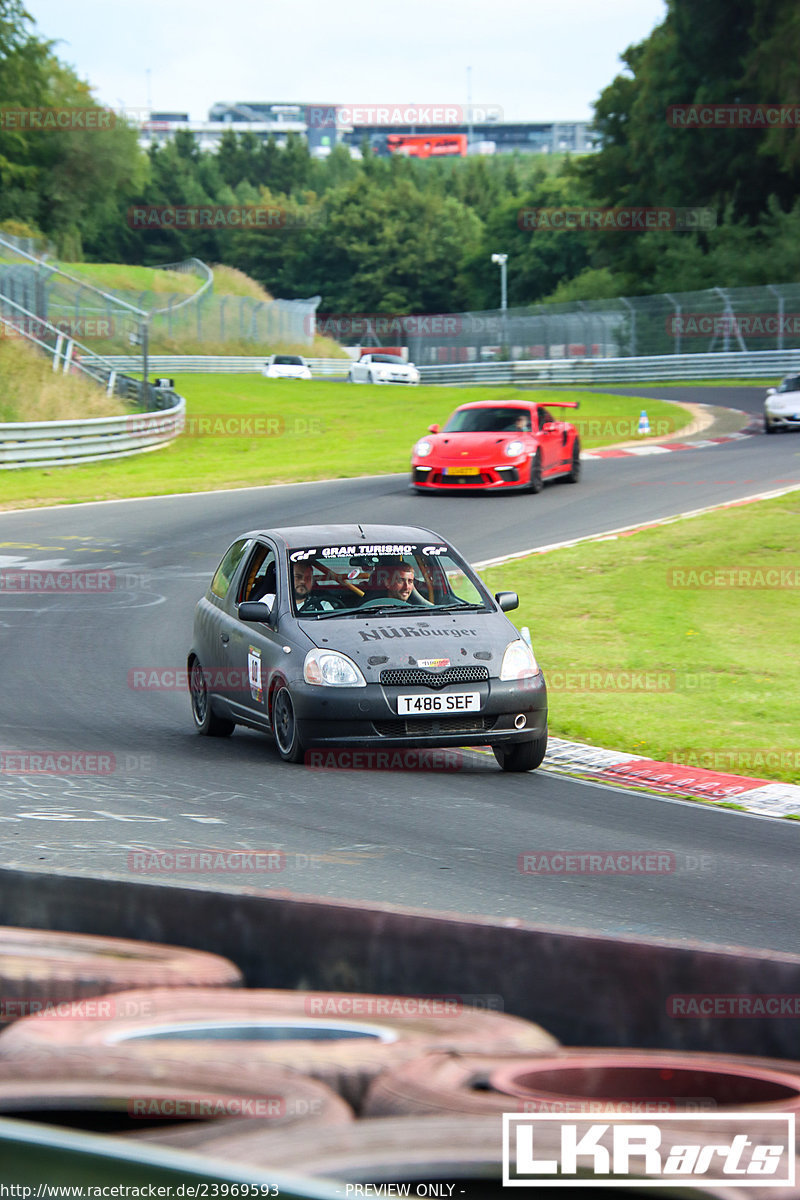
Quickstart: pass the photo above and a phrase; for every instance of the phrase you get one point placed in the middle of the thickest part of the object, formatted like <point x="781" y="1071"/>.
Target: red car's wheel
<point x="574" y="474"/>
<point x="535" y="483"/>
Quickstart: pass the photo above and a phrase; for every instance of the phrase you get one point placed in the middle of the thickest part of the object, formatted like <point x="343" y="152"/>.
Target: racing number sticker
<point x="254" y="673"/>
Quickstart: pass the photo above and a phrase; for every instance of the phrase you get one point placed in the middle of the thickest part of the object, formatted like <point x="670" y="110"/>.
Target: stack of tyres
<point x="342" y="1039"/>
<point x="43" y="970"/>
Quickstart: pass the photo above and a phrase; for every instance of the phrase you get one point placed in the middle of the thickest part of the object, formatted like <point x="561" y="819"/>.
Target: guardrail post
<point x="112" y="379"/>
<point x="68" y="355"/>
<point x="57" y="351"/>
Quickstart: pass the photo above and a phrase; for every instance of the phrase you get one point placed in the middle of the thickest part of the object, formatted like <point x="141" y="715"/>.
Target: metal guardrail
<point x="234" y="364"/>
<point x="757" y="364"/>
<point x="64" y="443"/>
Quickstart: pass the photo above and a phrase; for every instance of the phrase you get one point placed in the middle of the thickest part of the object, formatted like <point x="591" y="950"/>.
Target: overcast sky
<point x="535" y="59"/>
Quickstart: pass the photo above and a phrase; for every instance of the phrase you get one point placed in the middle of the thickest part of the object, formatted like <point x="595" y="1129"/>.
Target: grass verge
<point x="655" y="644"/>
<point x="310" y="430"/>
<point x="31" y="391"/>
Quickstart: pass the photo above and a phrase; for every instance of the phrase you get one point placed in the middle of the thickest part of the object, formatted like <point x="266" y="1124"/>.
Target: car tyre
<point x="769" y="427"/>
<point x="284" y="727"/>
<point x="574" y="474"/>
<point x="371" y="377"/>
<point x="205" y="719"/>
<point x="535" y="483"/>
<point x="521" y="756"/>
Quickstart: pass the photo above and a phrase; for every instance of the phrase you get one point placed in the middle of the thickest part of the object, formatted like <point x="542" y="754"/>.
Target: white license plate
<point x="418" y="704"/>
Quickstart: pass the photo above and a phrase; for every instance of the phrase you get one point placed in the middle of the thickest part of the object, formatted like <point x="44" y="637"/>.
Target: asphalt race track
<point x="438" y="840"/>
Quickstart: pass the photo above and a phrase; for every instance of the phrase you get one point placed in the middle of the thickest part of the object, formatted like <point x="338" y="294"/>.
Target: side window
<point x="260" y="576"/>
<point x="227" y="569"/>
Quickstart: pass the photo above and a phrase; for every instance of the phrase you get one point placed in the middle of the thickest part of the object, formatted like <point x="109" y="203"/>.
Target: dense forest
<point x="401" y="235"/>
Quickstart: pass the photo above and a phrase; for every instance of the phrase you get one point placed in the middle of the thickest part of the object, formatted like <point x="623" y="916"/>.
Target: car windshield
<point x="287" y="360"/>
<point x="393" y="359"/>
<point x="351" y="581"/>
<point x="488" y="420"/>
<point x="790" y="384"/>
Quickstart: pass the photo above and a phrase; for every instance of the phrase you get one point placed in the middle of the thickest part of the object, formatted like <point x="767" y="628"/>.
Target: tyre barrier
<point x="136" y="1101"/>
<point x="343" y="1039"/>
<point x="417" y="1151"/>
<point x="41" y="969"/>
<point x="583" y="1081"/>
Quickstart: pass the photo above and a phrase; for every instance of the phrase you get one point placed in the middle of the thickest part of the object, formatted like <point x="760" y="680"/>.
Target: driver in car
<point x="306" y="596"/>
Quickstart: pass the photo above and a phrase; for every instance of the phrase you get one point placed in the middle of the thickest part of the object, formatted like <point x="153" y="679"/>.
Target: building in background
<point x="278" y="119"/>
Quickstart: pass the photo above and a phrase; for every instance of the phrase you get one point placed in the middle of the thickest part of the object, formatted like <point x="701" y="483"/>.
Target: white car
<point x="286" y="366"/>
<point x="782" y="405"/>
<point x="382" y="368"/>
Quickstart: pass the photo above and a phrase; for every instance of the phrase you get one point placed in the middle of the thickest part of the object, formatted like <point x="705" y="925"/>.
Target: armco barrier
<point x="233" y="364"/>
<point x="60" y="443"/>
<point x="757" y="364"/>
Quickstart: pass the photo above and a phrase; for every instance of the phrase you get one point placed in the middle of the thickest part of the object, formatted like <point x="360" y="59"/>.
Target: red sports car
<point x="498" y="445"/>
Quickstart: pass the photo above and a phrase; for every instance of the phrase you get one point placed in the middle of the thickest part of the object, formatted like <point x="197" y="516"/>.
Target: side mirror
<point x="770" y="391"/>
<point x="257" y="610"/>
<point x="433" y="429"/>
<point x="507" y="600"/>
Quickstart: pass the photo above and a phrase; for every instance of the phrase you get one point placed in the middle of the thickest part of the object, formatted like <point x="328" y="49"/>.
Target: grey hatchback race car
<point x="363" y="636"/>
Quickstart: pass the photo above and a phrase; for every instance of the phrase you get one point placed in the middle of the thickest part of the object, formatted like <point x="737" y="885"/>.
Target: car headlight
<point x="519" y="661"/>
<point x="327" y="668"/>
<point x="514" y="449"/>
<point x="423" y="448"/>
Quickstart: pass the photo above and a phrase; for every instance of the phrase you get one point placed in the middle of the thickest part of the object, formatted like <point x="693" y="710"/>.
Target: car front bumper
<point x="512" y="475"/>
<point x="368" y="716"/>
<point x="782" y="420"/>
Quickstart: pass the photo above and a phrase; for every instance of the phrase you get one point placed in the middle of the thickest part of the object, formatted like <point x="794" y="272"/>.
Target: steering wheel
<point x="320" y="604"/>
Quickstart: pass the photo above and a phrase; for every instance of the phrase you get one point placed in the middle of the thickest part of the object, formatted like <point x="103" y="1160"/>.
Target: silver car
<point x="383" y="368"/>
<point x="782" y="405"/>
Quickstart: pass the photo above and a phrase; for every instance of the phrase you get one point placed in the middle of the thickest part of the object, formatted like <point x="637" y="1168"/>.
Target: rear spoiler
<point x="560" y="403"/>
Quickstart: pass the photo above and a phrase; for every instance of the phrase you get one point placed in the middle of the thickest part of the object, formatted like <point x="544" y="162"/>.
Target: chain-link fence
<point x="709" y="321"/>
<point x="192" y="319"/>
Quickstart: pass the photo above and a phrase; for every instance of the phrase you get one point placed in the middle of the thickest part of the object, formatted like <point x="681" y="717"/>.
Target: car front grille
<point x="433" y="726"/>
<point x="405" y="676"/>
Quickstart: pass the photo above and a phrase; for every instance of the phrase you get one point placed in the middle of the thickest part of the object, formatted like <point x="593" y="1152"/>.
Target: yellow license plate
<point x="463" y="471"/>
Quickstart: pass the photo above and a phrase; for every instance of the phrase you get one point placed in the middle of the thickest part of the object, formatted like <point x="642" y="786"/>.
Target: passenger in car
<point x="400" y="583"/>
